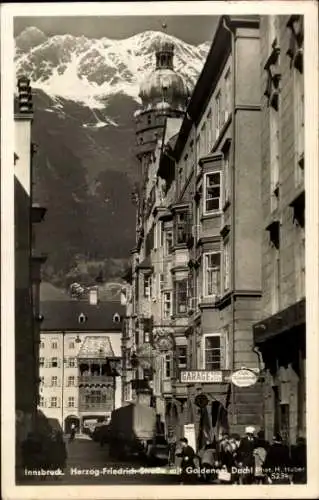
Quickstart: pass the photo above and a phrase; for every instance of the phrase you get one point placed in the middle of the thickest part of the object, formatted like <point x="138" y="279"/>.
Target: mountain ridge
<point x="85" y="167"/>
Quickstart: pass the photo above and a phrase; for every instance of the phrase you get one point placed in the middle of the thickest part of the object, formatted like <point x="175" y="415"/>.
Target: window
<point x="41" y="362"/>
<point x="95" y="397"/>
<point x="54" y="345"/>
<point x="71" y="381"/>
<point x="226" y="183"/>
<point x="54" y="381"/>
<point x="228" y="105"/>
<point x="212" y="192"/>
<point x="181" y="354"/>
<point x="180" y="296"/>
<point x="71" y="362"/>
<point x="71" y="402"/>
<point x="211" y="274"/>
<point x="161" y="281"/>
<point x="167" y="305"/>
<point x="147" y="286"/>
<point x="226" y="265"/>
<point x="71" y="345"/>
<point x="181" y="228"/>
<point x="41" y="401"/>
<point x="41" y="345"/>
<point x="42" y="380"/>
<point x="212" y="352"/>
<point x="54" y="362"/>
<point x="168" y="242"/>
<point x="168" y="366"/>
<point x="218" y="113"/>
<point x="54" y="402"/>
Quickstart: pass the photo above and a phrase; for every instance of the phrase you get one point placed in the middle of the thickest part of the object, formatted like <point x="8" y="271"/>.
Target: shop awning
<point x="290" y="318"/>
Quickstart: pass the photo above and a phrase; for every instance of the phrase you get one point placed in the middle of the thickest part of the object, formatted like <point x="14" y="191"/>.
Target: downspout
<point x="233" y="191"/>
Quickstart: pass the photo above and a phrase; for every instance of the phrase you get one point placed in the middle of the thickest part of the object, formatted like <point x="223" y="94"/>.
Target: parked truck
<point x="133" y="431"/>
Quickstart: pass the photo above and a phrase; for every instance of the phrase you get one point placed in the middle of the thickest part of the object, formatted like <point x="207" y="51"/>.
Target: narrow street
<point x="89" y="463"/>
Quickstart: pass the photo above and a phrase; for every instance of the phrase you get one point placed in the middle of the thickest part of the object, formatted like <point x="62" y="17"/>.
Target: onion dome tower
<point x="163" y="93"/>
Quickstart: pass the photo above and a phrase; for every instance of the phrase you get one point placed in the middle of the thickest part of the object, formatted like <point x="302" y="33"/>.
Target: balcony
<point x="107" y="406"/>
<point x="96" y="379"/>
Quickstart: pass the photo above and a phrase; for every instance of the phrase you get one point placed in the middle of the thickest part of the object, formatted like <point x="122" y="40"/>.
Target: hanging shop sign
<point x="244" y="377"/>
<point x="201" y="400"/>
<point x="204" y="376"/>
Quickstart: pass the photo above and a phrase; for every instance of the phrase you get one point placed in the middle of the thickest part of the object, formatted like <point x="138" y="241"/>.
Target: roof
<point x="210" y="74"/>
<point x="96" y="347"/>
<point x="65" y="316"/>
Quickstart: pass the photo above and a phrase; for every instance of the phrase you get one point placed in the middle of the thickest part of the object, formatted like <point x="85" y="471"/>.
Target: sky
<point x="191" y="29"/>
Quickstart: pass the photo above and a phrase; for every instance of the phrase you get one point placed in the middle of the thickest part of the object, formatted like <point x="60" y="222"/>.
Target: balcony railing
<point x="105" y="407"/>
<point x="95" y="379"/>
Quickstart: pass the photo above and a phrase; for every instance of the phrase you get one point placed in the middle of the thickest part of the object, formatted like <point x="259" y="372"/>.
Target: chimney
<point x="93" y="296"/>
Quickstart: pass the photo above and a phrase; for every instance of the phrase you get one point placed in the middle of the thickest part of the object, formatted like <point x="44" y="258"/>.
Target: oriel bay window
<point x="180" y="296"/>
<point x="211" y="274"/>
<point x="212" y="192"/>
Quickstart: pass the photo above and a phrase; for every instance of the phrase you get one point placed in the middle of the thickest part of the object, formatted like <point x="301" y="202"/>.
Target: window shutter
<point x="223" y="350"/>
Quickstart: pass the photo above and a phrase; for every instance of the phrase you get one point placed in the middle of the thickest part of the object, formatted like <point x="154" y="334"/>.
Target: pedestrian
<point x="277" y="463"/>
<point x="299" y="461"/>
<point x="246" y="460"/>
<point x="260" y="453"/>
<point x="72" y="432"/>
<point x="234" y="443"/>
<point x="209" y="461"/>
<point x="187" y="454"/>
<point x="226" y="451"/>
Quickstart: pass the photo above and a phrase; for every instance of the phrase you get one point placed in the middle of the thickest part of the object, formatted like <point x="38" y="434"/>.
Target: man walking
<point x="187" y="455"/>
<point x="246" y="455"/>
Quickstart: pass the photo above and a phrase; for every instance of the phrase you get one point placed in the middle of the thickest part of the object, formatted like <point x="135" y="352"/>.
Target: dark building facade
<point x="27" y="270"/>
<point x="281" y="333"/>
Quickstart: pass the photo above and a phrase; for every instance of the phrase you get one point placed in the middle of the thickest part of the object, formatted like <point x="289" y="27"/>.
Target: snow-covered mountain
<point x="91" y="70"/>
<point x="85" y="94"/>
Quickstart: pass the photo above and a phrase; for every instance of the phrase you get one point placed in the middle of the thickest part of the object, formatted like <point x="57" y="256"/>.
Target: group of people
<point x="247" y="460"/>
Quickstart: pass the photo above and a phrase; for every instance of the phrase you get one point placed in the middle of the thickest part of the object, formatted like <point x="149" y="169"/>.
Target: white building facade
<point x="80" y="364"/>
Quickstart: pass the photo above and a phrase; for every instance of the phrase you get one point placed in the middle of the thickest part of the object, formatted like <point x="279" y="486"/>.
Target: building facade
<point x="27" y="269"/>
<point x="149" y="333"/>
<point x="80" y="361"/>
<point x="217" y="223"/>
<point x="283" y="259"/>
<point x="220" y="243"/>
